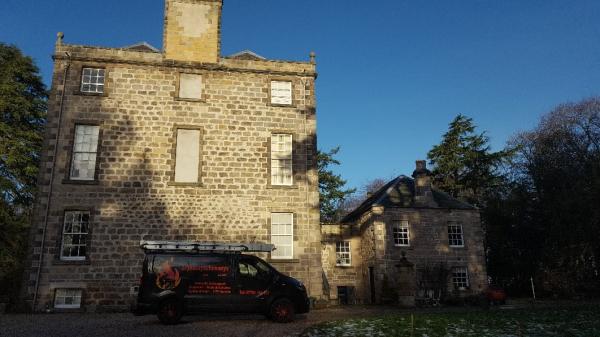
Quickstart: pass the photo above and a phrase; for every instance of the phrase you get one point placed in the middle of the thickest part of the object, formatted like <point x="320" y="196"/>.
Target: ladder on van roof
<point x="185" y="246"/>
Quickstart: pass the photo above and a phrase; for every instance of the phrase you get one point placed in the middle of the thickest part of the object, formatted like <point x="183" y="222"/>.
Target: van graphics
<point x="209" y="288"/>
<point x="257" y="293"/>
<point x="169" y="277"/>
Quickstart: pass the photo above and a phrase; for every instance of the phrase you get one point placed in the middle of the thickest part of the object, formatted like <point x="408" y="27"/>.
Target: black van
<point x="181" y="279"/>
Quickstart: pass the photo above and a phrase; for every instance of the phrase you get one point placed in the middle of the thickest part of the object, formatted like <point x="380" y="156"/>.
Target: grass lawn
<point x="563" y="322"/>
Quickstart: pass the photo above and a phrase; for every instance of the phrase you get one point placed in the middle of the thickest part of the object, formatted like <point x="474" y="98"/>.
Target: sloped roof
<point x="142" y="46"/>
<point x="400" y="192"/>
<point x="247" y="55"/>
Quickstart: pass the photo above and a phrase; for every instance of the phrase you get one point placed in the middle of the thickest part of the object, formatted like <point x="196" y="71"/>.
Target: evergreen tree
<point x="331" y="192"/>
<point x="463" y="164"/>
<point x="22" y="118"/>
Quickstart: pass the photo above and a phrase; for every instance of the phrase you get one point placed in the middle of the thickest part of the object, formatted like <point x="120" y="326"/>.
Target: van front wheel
<point x="170" y="311"/>
<point x="282" y="311"/>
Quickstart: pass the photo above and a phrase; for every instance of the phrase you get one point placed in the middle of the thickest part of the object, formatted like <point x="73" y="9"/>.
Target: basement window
<point x="92" y="80"/>
<point x="67" y="298"/>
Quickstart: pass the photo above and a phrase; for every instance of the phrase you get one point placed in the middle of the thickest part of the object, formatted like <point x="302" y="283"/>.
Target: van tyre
<point x="170" y="311"/>
<point x="282" y="311"/>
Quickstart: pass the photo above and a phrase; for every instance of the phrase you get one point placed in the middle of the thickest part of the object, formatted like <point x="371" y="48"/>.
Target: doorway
<point x="372" y="283"/>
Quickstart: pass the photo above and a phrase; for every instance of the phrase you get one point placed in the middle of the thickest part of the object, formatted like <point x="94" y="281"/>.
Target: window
<point x="455" y="236"/>
<point x="282" y="235"/>
<point x="281" y="159"/>
<point x="190" y="86"/>
<point x="92" y="80"/>
<point x="460" y="278"/>
<point x="83" y="165"/>
<point x="187" y="156"/>
<point x="401" y="233"/>
<point x="74" y="236"/>
<point x="281" y="92"/>
<point x="67" y="298"/>
<point x="343" y="257"/>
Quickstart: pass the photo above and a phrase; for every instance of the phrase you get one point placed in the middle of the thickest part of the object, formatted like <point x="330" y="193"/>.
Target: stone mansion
<point x="186" y="144"/>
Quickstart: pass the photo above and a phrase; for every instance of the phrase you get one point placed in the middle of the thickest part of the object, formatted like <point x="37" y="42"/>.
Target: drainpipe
<point x="47" y="212"/>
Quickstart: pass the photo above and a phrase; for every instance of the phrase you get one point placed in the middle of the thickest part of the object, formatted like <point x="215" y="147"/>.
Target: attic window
<point x="190" y="86"/>
<point x="92" y="80"/>
<point x="281" y="92"/>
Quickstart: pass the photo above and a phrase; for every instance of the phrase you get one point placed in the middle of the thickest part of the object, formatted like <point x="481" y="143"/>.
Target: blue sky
<point x="392" y="73"/>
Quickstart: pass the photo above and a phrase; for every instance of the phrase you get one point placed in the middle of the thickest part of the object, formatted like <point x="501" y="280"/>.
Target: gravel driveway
<point x="96" y="325"/>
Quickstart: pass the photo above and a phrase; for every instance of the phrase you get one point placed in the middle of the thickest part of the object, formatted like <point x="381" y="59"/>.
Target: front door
<point x="372" y="283"/>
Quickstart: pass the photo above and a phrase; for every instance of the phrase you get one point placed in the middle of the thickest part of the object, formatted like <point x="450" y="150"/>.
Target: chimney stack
<point x="423" y="194"/>
<point x="192" y="30"/>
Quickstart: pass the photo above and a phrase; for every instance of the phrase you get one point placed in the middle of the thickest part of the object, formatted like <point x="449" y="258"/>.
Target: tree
<point x="354" y="200"/>
<point x="463" y="164"/>
<point x="22" y="119"/>
<point x="331" y="186"/>
<point x="559" y="163"/>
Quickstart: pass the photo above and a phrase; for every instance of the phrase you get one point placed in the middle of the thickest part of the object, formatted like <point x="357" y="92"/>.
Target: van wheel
<point x="282" y="311"/>
<point x="170" y="311"/>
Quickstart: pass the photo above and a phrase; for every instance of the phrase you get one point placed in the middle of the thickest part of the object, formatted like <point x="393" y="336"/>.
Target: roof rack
<point x="183" y="246"/>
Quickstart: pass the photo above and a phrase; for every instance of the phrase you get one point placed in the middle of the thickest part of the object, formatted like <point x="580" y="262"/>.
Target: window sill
<point x="58" y="262"/>
<point x="82" y="93"/>
<point x="457" y="247"/>
<point x="175" y="184"/>
<point x="68" y="310"/>
<point x="344" y="265"/>
<point x="283" y="261"/>
<point x="282" y="105"/>
<point x="403" y="246"/>
<point x="282" y="187"/>
<point x="80" y="182"/>
<point x="194" y="100"/>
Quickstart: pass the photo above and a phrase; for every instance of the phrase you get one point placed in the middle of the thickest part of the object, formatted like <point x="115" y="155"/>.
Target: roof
<point x="400" y="192"/>
<point x="142" y="46"/>
<point x="247" y="55"/>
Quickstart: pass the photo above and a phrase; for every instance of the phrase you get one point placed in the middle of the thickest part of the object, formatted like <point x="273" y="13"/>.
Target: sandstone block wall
<point x="192" y="30"/>
<point x="373" y="234"/>
<point x="134" y="196"/>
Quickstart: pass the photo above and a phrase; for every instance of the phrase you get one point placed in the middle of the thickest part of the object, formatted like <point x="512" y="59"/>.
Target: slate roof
<point x="247" y="55"/>
<point x="400" y="193"/>
<point x="142" y="46"/>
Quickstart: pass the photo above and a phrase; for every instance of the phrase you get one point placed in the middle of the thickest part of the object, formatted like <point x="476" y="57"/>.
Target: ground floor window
<point x="67" y="298"/>
<point x="342" y="253"/>
<point x="460" y="278"/>
<point x="74" y="236"/>
<point x="282" y="235"/>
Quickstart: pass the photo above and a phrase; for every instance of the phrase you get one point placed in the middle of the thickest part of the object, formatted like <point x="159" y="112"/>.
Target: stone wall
<point x="134" y="196"/>
<point x="372" y="233"/>
<point x="337" y="276"/>
<point x="192" y="30"/>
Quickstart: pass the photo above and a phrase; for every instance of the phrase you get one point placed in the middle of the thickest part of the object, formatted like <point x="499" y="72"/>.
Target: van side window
<point x="250" y="268"/>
